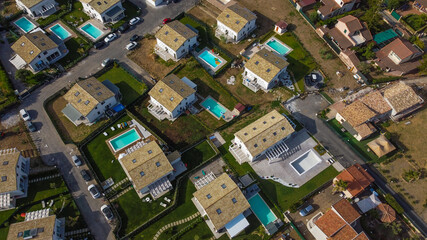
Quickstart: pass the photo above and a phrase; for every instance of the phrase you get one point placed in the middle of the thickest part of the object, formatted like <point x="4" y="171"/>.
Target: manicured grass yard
<point x="3" y="233"/>
<point x="131" y="11"/>
<point x="43" y="189"/>
<point x="182" y="132"/>
<point x="76" y="47"/>
<point x="202" y="31"/>
<point x="300" y="61"/>
<point x="100" y="156"/>
<point x="129" y="86"/>
<point x="198" y="154"/>
<point x="76" y="15"/>
<point x="133" y="212"/>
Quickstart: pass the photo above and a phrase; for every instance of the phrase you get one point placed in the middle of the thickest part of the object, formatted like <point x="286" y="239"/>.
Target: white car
<point x="131" y="45"/>
<point x="110" y="37"/>
<point x="76" y="160"/>
<point x="24" y="114"/>
<point x="108" y="214"/>
<point x="94" y="191"/>
<point x="134" y="21"/>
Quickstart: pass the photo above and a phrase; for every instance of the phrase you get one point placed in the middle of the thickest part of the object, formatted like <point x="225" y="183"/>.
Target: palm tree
<point x="339" y="186"/>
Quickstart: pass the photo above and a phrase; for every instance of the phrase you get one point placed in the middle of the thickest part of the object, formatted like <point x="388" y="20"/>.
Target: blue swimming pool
<point x="24" y="24"/>
<point x="124" y="139"/>
<point x="60" y="31"/>
<point x="279" y="47"/>
<point x="214" y="107"/>
<point x="92" y="30"/>
<point x="261" y="210"/>
<point x="211" y="59"/>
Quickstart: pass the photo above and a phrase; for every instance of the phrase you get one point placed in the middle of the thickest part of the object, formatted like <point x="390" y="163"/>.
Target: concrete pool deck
<point x="73" y="34"/>
<point x="282" y="171"/>
<point x="228" y="115"/>
<point x="211" y="70"/>
<point x="282" y="43"/>
<point x="105" y="31"/>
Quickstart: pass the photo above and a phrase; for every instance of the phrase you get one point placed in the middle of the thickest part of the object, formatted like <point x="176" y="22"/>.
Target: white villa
<point x="224" y="204"/>
<point x="37" y="8"/>
<point x="150" y="170"/>
<point x="104" y="10"/>
<point x="154" y="3"/>
<point x="89" y="99"/>
<point x="14" y="169"/>
<point x="37" y="50"/>
<point x="235" y="23"/>
<point x="171" y="96"/>
<point x="39" y="225"/>
<point x="265" y="137"/>
<point x="175" y="40"/>
<point x="262" y="71"/>
<point x="332" y="8"/>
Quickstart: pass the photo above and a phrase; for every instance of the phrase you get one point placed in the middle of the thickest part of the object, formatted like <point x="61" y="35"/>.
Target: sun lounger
<point x="105" y="133"/>
<point x="119" y="126"/>
<point x="167" y="199"/>
<point x="125" y="123"/>
<point x="162" y="204"/>
<point x="112" y="128"/>
<point x="203" y="172"/>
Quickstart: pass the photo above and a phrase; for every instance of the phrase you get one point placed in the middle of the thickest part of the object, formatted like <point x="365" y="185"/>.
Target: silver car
<point x="94" y="191"/>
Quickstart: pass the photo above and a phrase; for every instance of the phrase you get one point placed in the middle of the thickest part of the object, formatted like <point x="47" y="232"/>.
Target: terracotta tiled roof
<point x="328" y="7"/>
<point x="330" y="223"/>
<point x="356" y="113"/>
<point x="401" y="97"/>
<point x="401" y="48"/>
<point x="282" y="24"/>
<point x="365" y="129"/>
<point x="353" y="24"/>
<point x="376" y="102"/>
<point x="361" y="236"/>
<point x="346" y="211"/>
<point x="345" y="233"/>
<point x="356" y="178"/>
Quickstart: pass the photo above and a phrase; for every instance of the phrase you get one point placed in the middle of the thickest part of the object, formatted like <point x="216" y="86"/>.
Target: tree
<point x="396" y="227"/>
<point x="393" y="4"/>
<point x="372" y="16"/>
<point x="364" y="67"/>
<point x="369" y="54"/>
<point x="23" y="74"/>
<point x="314" y="17"/>
<point x="339" y="186"/>
<point x="423" y="66"/>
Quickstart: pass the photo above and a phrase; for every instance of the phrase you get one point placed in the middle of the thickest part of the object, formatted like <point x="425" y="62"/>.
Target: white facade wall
<point x="44" y="58"/>
<point x="22" y="170"/>
<point x="344" y="8"/>
<point x="245" y="150"/>
<point x="182" y="106"/>
<point x="155" y="3"/>
<point x="182" y="51"/>
<point x="102" y="17"/>
<point x="340" y="118"/>
<point x="236" y="36"/>
<point x="264" y="84"/>
<point x="35" y="10"/>
<point x="99" y="110"/>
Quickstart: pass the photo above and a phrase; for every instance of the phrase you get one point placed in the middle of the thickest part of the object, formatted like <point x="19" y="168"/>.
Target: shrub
<point x="411" y="175"/>
<point x="393" y="203"/>
<point x="294" y="207"/>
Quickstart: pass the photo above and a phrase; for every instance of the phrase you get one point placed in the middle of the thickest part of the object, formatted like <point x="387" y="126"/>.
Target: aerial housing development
<point x="213" y="119"/>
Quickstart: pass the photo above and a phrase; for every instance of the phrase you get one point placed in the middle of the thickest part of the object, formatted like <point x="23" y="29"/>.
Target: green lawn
<point x="131" y="11"/>
<point x="130" y="88"/>
<point x="63" y="5"/>
<point x="76" y="15"/>
<point x="100" y="156"/>
<point x="185" y="209"/>
<point x="7" y="96"/>
<point x="43" y="189"/>
<point x="76" y="48"/>
<point x="181" y="133"/>
<point x="201" y="231"/>
<point x="198" y="154"/>
<point x="202" y="30"/>
<point x="3" y="233"/>
<point x="359" y="146"/>
<point x="300" y="61"/>
<point x="133" y="212"/>
<point x="416" y="21"/>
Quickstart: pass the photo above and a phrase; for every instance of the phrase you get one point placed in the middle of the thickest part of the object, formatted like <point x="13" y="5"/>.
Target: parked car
<point x="86" y="175"/>
<point x="123" y="28"/>
<point x="166" y="20"/>
<point x="135" y="20"/>
<point x="110" y="37"/>
<point x="99" y="45"/>
<point x="31" y="126"/>
<point x="131" y="45"/>
<point x="134" y="38"/>
<point x="107" y="62"/>
<point x="108" y="214"/>
<point x="76" y="160"/>
<point x="94" y="191"/>
<point x="24" y="115"/>
<point x="304" y="212"/>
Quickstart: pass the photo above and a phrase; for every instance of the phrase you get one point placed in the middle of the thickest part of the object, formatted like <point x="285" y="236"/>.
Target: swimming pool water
<point x="210" y="58"/>
<point x="278" y="47"/>
<point x="124" y="139"/>
<point x="92" y="30"/>
<point x="25" y="24"/>
<point x="261" y="210"/>
<point x="60" y="31"/>
<point x="213" y="106"/>
<point x="305" y="162"/>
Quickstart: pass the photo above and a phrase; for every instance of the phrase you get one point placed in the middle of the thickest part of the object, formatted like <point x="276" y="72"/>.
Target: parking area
<point x="321" y="202"/>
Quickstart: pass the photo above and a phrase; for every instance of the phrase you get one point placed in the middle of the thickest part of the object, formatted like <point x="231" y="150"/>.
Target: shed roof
<point x="85" y="95"/>
<point x="265" y="132"/>
<point x="146" y="165"/>
<point x="8" y="162"/>
<point x="236" y="17"/>
<point x="31" y="44"/>
<point x="266" y="64"/>
<point x="385" y="36"/>
<point x="222" y="200"/>
<point x="170" y="91"/>
<point x="44" y="226"/>
<point x="174" y="34"/>
<point x="401" y="96"/>
<point x="381" y="146"/>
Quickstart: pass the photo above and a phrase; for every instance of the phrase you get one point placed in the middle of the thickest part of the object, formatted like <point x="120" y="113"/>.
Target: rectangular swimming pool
<point x="305" y="162"/>
<point x="210" y="59"/>
<point x="91" y="30"/>
<point x="60" y="31"/>
<point x="261" y="210"/>
<point x="277" y="46"/>
<point x="124" y="139"/>
<point x="214" y="107"/>
<point x="24" y="24"/>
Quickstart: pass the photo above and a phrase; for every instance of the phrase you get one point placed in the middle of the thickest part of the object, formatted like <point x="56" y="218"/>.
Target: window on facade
<point x="264" y="140"/>
<point x="254" y="128"/>
<point x="283" y="128"/>
<point x="257" y="62"/>
<point x="77" y="93"/>
<point x="268" y="70"/>
<point x="161" y="90"/>
<point x="134" y="160"/>
<point x="246" y="134"/>
<point x="345" y="30"/>
<point x="234" y="200"/>
<point x="4" y="178"/>
<point x="223" y="186"/>
<point x="255" y="145"/>
<point x="157" y="164"/>
<point x="150" y="151"/>
<point x="87" y="102"/>
<point x="275" y="133"/>
<point x="219" y="211"/>
<point x="264" y="122"/>
<point x="5" y="163"/>
<point x="141" y="173"/>
<point x="208" y="196"/>
<point x="273" y="117"/>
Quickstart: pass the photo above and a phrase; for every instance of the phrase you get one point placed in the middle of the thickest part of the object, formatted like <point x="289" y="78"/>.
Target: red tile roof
<point x="304" y="3"/>
<point x="282" y="24"/>
<point x="401" y="48"/>
<point x="356" y="178"/>
<point x="346" y="210"/>
<point x="345" y="233"/>
<point x="353" y="24"/>
<point x="330" y="223"/>
<point x="361" y="236"/>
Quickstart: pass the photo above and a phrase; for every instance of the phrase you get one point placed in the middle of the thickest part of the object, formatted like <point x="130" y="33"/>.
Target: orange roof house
<point x="356" y="178"/>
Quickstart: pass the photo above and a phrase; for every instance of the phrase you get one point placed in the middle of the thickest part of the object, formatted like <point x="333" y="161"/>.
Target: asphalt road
<point x="305" y="112"/>
<point x="52" y="149"/>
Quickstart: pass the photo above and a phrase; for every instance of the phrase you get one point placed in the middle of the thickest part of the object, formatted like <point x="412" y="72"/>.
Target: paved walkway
<point x="116" y="185"/>
<point x="83" y="230"/>
<point x="45" y="178"/>
<point x="121" y="193"/>
<point x="179" y="222"/>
